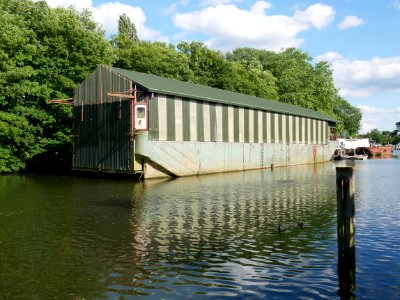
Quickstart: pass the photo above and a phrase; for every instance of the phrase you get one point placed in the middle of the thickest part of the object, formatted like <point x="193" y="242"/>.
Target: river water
<point x="267" y="234"/>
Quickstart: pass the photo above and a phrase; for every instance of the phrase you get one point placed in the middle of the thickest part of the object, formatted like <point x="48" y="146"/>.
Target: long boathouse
<point x="131" y="122"/>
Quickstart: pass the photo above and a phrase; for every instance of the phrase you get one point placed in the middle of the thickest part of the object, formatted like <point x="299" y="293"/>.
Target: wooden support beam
<point x="67" y="101"/>
<point x="345" y="190"/>
<point x="120" y="95"/>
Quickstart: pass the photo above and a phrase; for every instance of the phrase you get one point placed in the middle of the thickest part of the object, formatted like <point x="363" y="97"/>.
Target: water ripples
<point x="242" y="240"/>
<point x="251" y="235"/>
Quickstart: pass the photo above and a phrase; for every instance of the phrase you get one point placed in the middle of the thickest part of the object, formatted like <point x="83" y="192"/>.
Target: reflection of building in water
<point x="190" y="216"/>
<point x="163" y="235"/>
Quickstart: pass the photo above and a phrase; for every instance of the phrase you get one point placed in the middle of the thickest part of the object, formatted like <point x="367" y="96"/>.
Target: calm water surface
<point x="251" y="235"/>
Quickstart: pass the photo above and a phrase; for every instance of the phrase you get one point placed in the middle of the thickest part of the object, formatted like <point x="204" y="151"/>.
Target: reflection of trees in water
<point x="55" y="244"/>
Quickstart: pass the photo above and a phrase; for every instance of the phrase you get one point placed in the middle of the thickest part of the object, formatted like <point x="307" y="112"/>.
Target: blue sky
<point x="359" y="38"/>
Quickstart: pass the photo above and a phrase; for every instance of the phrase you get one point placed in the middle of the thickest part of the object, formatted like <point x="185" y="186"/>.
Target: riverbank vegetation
<point x="384" y="137"/>
<point x="46" y="52"/>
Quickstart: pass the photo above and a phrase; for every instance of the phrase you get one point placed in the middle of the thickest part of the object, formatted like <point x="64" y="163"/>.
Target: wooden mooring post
<point x="346" y="231"/>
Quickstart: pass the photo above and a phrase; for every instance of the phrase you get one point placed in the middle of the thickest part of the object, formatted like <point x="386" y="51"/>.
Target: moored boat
<point x="376" y="151"/>
<point x="347" y="149"/>
<point x="348" y="154"/>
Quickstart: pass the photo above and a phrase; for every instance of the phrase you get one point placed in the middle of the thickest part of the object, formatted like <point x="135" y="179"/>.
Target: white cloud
<point x="375" y="110"/>
<point x="229" y="26"/>
<point x="79" y="4"/>
<point x="317" y="15"/>
<point x="367" y="125"/>
<point x="259" y="7"/>
<point x="107" y="14"/>
<point x="350" y="21"/>
<point x="173" y="7"/>
<point x="364" y="77"/>
<point x="378" y="117"/>
<point x="214" y="2"/>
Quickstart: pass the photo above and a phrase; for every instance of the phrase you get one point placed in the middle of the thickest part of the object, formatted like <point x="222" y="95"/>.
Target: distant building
<point x="353" y="143"/>
<point x="126" y="121"/>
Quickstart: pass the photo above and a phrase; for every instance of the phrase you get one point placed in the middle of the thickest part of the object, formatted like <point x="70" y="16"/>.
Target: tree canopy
<point x="385" y="137"/>
<point x="46" y="52"/>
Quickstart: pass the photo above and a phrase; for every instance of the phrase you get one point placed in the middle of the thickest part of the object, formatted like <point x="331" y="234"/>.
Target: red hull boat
<point x="376" y="151"/>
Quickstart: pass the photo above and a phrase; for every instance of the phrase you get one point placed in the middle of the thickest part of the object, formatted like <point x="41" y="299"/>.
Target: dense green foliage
<point x="45" y="53"/>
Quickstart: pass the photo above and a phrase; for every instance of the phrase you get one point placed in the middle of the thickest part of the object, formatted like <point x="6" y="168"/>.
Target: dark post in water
<point x="346" y="230"/>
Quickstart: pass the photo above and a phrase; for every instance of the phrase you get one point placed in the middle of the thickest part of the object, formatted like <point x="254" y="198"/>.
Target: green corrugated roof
<point x="157" y="84"/>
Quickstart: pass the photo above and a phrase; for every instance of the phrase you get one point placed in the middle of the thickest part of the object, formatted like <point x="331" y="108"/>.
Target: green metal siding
<point x="236" y="125"/>
<point x="225" y="124"/>
<point x="326" y="133"/>
<point x="200" y="122"/>
<point x="153" y="119"/>
<point x="273" y="136"/>
<point x="96" y="86"/>
<point x="186" y="119"/>
<point x="306" y="137"/>
<point x="280" y="128"/>
<point x="246" y="125"/>
<point x="314" y="132"/>
<point x="265" y="127"/>
<point x="255" y="124"/>
<point x="213" y="123"/>
<point x="102" y="139"/>
<point x="287" y="141"/>
<point x="294" y="129"/>
<point x="301" y="124"/>
<point x="170" y="118"/>
<point x="312" y="137"/>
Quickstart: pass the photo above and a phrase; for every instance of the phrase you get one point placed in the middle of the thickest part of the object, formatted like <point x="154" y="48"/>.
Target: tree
<point x="250" y="81"/>
<point x="379" y="137"/>
<point x="127" y="34"/>
<point x="395" y="135"/>
<point x="208" y="67"/>
<point x="155" y="58"/>
<point x="44" y="54"/>
<point x="125" y="39"/>
<point x="127" y="28"/>
<point x="349" y="115"/>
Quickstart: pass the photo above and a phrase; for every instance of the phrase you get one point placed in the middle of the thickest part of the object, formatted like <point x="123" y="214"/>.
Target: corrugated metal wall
<point x="95" y="88"/>
<point x="176" y="119"/>
<point x="102" y="124"/>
